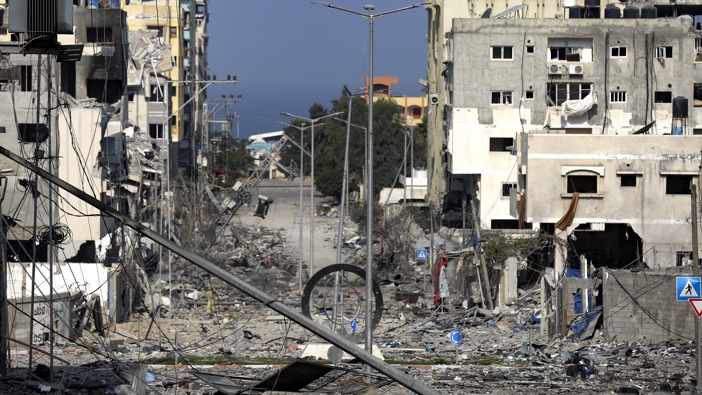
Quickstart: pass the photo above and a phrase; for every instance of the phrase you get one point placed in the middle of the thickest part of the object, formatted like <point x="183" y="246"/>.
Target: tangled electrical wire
<point x="59" y="234"/>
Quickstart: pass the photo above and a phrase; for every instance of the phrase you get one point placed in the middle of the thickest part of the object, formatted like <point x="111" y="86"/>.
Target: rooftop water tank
<point x="649" y="12"/>
<point x="631" y="12"/>
<point x="575" y="12"/>
<point x="612" y="12"/>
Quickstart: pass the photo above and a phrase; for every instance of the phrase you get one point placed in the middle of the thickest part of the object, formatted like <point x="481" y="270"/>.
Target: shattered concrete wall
<point x="659" y="217"/>
<point x="643" y="306"/>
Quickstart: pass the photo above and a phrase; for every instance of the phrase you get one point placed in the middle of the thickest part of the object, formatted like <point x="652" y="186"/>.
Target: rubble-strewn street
<point x="501" y="352"/>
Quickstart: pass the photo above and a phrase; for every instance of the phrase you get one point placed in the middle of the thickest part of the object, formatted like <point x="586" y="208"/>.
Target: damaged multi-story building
<point x="581" y="120"/>
<point x="88" y="100"/>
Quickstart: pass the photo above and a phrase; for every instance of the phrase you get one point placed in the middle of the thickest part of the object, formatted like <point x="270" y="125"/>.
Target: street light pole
<point x="302" y="177"/>
<point x="369" y="159"/>
<point x="312" y="121"/>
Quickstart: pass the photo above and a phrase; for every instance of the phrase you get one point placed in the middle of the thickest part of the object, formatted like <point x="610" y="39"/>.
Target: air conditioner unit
<point x="575" y="69"/>
<point x="555" y="69"/>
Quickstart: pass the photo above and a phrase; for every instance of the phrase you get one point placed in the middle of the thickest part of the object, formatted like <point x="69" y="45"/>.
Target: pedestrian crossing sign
<point x="422" y="255"/>
<point x="687" y="288"/>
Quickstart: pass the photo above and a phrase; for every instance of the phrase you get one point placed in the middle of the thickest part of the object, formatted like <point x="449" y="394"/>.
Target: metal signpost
<point x="687" y="289"/>
<point x="457" y="340"/>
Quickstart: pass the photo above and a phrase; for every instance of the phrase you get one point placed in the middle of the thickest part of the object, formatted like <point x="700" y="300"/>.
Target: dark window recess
<point x="506" y="188"/>
<point x="156" y="130"/>
<point x="628" y="181"/>
<point x="25" y="78"/>
<point x="663" y="97"/>
<point x="677" y="185"/>
<point x="507" y="224"/>
<point x="174" y="32"/>
<point x="682" y="257"/>
<point x="68" y="78"/>
<point x="99" y="35"/>
<point x="582" y="184"/>
<point x="156" y="29"/>
<point x="105" y="91"/>
<point x="156" y="95"/>
<point x="529" y="49"/>
<point x="130" y="95"/>
<point x="697" y="131"/>
<point x="501" y="144"/>
<point x="697" y="95"/>
<point x="529" y="95"/>
<point x="32" y="133"/>
<point x="2" y="129"/>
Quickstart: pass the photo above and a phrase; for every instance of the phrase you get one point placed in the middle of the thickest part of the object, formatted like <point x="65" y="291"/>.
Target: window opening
<point x="617" y="97"/>
<point x="582" y="184"/>
<point x="678" y="184"/>
<point x="501" y="144"/>
<point x="559" y="92"/>
<point x="501" y="97"/>
<point x="501" y="53"/>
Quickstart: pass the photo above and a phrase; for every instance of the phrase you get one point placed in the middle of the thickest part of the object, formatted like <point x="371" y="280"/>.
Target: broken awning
<point x="579" y="107"/>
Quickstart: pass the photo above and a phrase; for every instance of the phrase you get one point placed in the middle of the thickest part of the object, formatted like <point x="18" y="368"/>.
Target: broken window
<point x="501" y="97"/>
<point x="501" y="52"/>
<point x="501" y="144"/>
<point x="32" y="132"/>
<point x="506" y="187"/>
<point x="558" y="92"/>
<point x="567" y="54"/>
<point x="697" y="95"/>
<point x="105" y="91"/>
<point x="678" y="184"/>
<point x="99" y="35"/>
<point x="683" y="258"/>
<point x="581" y="183"/>
<point x="663" y="97"/>
<point x="664" y="52"/>
<point x="618" y="52"/>
<point x="156" y="130"/>
<point x="617" y="97"/>
<point x="156" y="29"/>
<point x="25" y="78"/>
<point x="156" y="94"/>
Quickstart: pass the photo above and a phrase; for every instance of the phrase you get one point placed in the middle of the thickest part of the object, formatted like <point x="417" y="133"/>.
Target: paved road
<point x="284" y="215"/>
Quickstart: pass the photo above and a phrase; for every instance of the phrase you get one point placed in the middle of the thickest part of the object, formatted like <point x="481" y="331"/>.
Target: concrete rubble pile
<point x="204" y="322"/>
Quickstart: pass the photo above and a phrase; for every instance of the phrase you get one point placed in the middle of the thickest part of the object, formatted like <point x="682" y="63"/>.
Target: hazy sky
<point x="288" y="54"/>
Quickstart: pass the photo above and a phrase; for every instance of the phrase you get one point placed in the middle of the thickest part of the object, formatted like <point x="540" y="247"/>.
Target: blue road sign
<point x="455" y="337"/>
<point x="687" y="288"/>
<point x="353" y="324"/>
<point x="422" y="254"/>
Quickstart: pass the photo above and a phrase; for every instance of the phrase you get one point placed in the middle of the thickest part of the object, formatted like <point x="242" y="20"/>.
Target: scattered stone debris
<point x="204" y="329"/>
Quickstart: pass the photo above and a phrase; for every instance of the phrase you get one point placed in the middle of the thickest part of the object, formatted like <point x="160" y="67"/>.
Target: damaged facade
<point x="99" y="126"/>
<point x="579" y="122"/>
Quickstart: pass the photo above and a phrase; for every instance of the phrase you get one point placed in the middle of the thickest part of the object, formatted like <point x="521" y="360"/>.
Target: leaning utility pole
<point x="350" y="347"/>
<point x="486" y="280"/>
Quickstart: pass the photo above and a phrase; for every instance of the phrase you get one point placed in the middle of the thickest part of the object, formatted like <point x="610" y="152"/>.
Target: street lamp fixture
<point x="369" y="158"/>
<point x="312" y="122"/>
